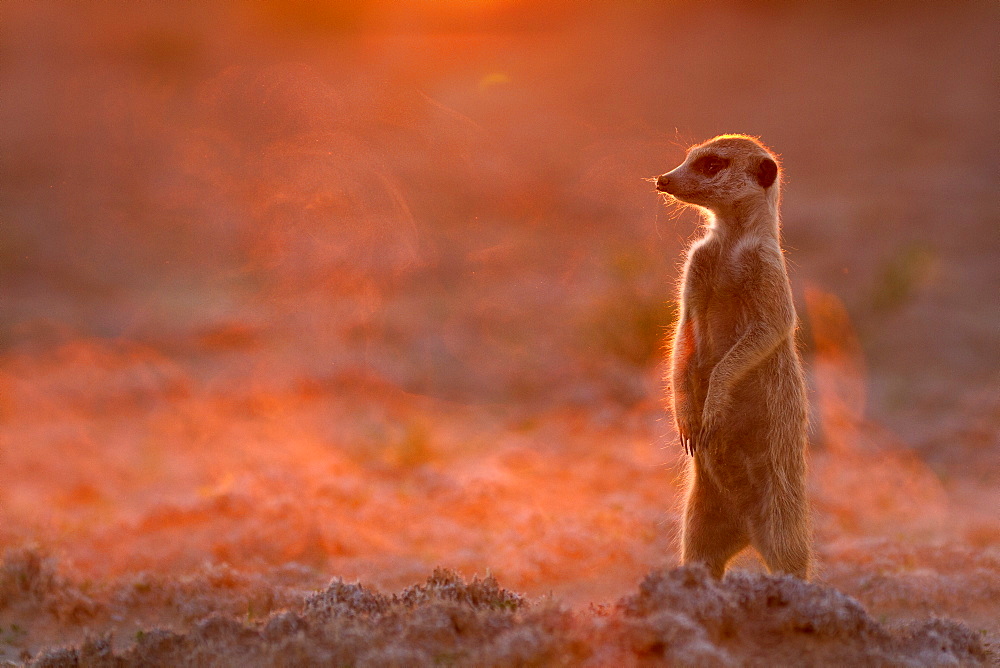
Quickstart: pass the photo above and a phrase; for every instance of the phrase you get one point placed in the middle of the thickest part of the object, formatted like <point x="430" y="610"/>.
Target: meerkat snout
<point x="663" y="183"/>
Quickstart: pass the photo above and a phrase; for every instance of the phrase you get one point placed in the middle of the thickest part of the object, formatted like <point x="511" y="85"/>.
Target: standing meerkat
<point x="738" y="391"/>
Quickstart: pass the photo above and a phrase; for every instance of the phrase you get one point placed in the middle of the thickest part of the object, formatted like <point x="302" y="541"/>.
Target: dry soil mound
<point x="678" y="617"/>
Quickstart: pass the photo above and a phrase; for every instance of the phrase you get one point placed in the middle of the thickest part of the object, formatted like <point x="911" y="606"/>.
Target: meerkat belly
<point x="755" y="401"/>
<point x="724" y="323"/>
<point x="767" y="412"/>
<point x="713" y="324"/>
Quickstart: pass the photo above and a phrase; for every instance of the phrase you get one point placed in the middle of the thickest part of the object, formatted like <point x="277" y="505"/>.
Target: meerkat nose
<point x="663" y="183"/>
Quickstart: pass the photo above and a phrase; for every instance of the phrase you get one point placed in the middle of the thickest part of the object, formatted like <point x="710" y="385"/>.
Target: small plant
<point x="12" y="636"/>
<point x="908" y="270"/>
<point x="631" y="319"/>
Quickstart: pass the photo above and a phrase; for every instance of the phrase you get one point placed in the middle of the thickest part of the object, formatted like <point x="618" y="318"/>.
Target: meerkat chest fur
<point x="719" y="270"/>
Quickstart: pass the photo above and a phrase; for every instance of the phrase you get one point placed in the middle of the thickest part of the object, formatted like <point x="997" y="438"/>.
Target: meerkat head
<point x="724" y="173"/>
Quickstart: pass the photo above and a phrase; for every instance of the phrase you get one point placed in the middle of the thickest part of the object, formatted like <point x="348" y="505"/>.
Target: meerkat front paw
<point x="686" y="431"/>
<point x="687" y="421"/>
<point x="711" y="423"/>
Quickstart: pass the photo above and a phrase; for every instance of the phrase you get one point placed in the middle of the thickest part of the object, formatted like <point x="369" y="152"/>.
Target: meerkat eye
<point x="710" y="165"/>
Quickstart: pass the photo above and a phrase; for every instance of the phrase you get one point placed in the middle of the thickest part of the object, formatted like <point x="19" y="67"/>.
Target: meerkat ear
<point x="767" y="172"/>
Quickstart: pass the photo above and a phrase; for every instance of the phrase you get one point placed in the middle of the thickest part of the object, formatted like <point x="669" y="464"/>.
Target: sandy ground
<point x="334" y="336"/>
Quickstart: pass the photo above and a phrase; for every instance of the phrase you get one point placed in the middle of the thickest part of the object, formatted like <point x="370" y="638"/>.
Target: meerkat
<point x="737" y="389"/>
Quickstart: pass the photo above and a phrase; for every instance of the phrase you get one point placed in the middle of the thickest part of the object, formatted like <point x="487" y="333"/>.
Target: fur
<point x="736" y="382"/>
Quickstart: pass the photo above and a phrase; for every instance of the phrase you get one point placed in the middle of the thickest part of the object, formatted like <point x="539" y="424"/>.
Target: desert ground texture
<point x="333" y="333"/>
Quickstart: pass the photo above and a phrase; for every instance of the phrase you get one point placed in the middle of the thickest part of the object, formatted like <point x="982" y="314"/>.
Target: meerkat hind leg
<point x="713" y="533"/>
<point x="782" y="539"/>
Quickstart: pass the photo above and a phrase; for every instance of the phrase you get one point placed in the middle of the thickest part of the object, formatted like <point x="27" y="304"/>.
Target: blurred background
<point x="370" y="287"/>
